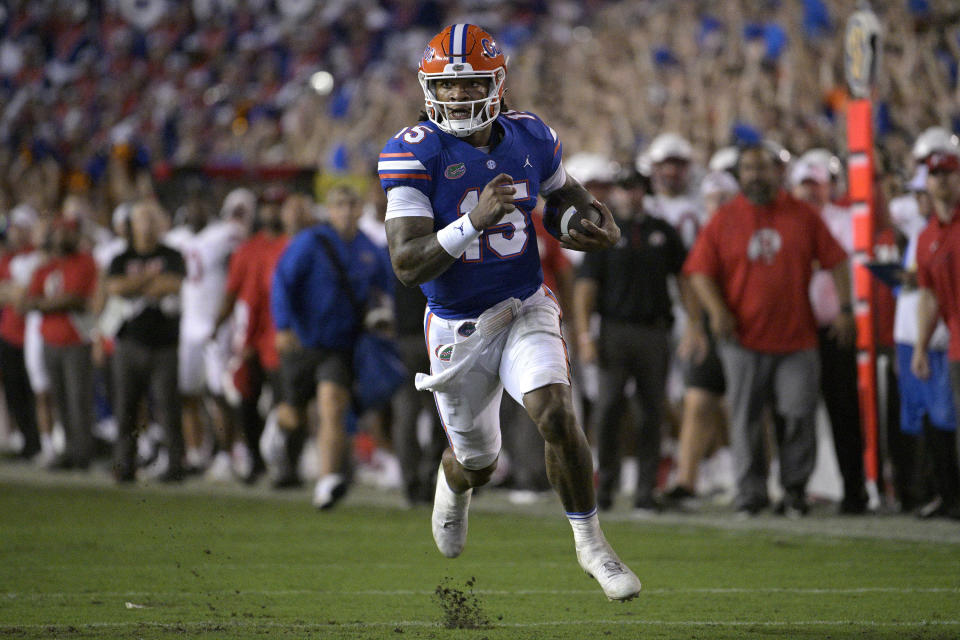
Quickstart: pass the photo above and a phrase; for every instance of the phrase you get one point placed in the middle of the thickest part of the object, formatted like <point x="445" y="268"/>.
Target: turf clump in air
<point x="461" y="608"/>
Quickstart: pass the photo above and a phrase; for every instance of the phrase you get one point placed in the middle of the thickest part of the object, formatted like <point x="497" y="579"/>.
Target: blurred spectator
<point x="16" y="383"/>
<point x="672" y="198"/>
<point x="703" y="424"/>
<point x="937" y="272"/>
<point x="634" y="343"/>
<point x="810" y="181"/>
<point x="94" y="98"/>
<point x="147" y="276"/>
<point x="927" y="414"/>
<point x="751" y="269"/>
<point x="61" y="290"/>
<point x="206" y="245"/>
<point x="22" y="267"/>
<point x="316" y="326"/>
<point x="247" y="304"/>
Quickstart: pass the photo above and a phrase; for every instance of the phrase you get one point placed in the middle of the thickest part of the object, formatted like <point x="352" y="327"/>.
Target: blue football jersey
<point x="504" y="261"/>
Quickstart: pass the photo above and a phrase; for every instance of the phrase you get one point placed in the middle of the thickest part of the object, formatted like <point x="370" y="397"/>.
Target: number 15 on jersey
<point x="505" y="240"/>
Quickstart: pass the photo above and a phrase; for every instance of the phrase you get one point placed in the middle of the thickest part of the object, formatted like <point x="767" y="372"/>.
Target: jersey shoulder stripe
<point x="408" y="157"/>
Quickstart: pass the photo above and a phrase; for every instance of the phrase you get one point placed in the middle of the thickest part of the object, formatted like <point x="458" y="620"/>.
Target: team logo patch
<point x="764" y="245"/>
<point x="444" y="352"/>
<point x="467" y="329"/>
<point x="455" y="171"/>
<point x="491" y="164"/>
<point x="428" y="54"/>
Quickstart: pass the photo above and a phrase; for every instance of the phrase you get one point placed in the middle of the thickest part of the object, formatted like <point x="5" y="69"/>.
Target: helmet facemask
<point x="482" y="112"/>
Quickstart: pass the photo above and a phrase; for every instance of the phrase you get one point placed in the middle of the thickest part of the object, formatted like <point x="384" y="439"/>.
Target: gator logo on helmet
<point x="445" y="353"/>
<point x="490" y="48"/>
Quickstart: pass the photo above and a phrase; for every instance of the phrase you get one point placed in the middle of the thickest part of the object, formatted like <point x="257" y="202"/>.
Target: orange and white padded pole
<point x="861" y="51"/>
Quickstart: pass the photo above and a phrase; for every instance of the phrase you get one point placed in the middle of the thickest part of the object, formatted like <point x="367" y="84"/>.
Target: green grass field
<point x="82" y="559"/>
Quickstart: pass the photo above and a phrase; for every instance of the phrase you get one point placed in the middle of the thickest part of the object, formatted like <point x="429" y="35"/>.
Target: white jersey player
<point x="669" y="157"/>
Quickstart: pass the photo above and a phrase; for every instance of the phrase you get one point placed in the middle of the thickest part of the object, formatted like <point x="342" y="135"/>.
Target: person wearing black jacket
<point x="628" y="287"/>
<point x="147" y="277"/>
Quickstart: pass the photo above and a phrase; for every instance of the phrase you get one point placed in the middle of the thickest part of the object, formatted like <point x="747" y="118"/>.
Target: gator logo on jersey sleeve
<point x="455" y="171"/>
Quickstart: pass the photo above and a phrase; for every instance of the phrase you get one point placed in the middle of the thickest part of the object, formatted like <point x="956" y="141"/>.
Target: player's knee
<point x="555" y="422"/>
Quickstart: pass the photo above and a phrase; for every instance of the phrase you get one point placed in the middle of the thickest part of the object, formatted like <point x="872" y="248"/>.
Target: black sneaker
<point x="123" y="474"/>
<point x="646" y="506"/>
<point x="678" y="494"/>
<point x="853" y="507"/>
<point x="172" y="476"/>
<point x="680" y="498"/>
<point x="752" y="507"/>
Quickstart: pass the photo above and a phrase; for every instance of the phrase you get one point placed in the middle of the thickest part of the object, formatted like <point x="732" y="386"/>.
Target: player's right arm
<point x="420" y="254"/>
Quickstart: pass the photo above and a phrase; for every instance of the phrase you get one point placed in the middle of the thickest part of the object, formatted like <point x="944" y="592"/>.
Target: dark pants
<point x="838" y="385"/>
<point x="945" y="464"/>
<point x="642" y="353"/>
<point x="138" y="370"/>
<point x="417" y="462"/>
<point x="19" y="395"/>
<point x="71" y="383"/>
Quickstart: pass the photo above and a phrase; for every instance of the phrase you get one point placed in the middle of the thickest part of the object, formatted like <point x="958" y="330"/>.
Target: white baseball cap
<point x="591" y="167"/>
<point x="23" y="215"/>
<point x="718" y="182"/>
<point x="669" y="145"/>
<point x="805" y="170"/>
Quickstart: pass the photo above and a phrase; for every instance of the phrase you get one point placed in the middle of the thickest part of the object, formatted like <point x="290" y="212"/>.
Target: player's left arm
<point x="572" y="193"/>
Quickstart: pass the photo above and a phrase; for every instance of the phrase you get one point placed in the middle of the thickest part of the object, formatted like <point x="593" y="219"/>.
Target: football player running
<point x="461" y="187"/>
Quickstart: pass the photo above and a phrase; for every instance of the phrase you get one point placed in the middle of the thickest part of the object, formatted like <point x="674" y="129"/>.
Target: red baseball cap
<point x="942" y="161"/>
<point x="66" y="223"/>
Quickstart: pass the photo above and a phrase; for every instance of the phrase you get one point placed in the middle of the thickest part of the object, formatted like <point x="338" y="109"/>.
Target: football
<point x="558" y="221"/>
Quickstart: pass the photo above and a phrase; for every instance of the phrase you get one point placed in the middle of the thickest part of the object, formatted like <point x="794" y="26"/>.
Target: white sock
<point x="458" y="498"/>
<point x="46" y="443"/>
<point x="586" y="527"/>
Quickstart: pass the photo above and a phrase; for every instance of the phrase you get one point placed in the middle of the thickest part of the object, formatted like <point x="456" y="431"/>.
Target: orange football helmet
<point x="462" y="51"/>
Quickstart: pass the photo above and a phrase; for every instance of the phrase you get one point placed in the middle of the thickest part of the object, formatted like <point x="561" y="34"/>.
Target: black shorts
<point x="301" y="370"/>
<point x="708" y="373"/>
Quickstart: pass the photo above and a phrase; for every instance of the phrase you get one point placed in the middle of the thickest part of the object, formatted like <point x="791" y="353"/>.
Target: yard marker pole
<point x="861" y="48"/>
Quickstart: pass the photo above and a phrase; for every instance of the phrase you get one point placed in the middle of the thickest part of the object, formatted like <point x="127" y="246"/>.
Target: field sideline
<point x="82" y="559"/>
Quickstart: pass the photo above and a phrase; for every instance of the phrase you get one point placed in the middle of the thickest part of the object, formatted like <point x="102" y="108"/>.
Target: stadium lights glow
<point x="322" y="82"/>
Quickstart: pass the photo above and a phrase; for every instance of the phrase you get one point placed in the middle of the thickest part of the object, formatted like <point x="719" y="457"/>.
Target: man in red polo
<point x="938" y="268"/>
<point x="751" y="268"/>
<point x="61" y="290"/>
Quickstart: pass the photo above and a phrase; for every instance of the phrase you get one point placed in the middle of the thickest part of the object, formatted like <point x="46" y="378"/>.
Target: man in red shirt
<point x="16" y="383"/>
<point x="247" y="300"/>
<point x="61" y="290"/>
<point x="938" y="269"/>
<point x="751" y="268"/>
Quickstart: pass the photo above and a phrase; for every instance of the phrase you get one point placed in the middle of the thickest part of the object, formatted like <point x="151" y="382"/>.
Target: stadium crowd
<point x="115" y="115"/>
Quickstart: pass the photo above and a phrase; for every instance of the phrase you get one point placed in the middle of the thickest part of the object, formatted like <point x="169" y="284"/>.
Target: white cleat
<point x="329" y="490"/>
<point x="616" y="579"/>
<point x="449" y="518"/>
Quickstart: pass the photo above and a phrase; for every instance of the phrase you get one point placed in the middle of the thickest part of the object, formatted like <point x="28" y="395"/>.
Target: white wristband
<point x="457" y="236"/>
